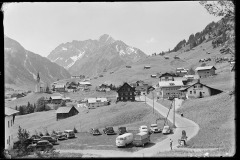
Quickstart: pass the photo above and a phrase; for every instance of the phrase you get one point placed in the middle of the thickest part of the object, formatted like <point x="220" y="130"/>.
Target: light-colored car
<point x="70" y="133"/>
<point x="143" y="129"/>
<point x="154" y="128"/>
<point x="124" y="139"/>
<point x="166" y="130"/>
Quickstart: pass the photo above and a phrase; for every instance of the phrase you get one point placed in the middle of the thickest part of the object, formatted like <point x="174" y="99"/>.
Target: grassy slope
<point x="131" y="115"/>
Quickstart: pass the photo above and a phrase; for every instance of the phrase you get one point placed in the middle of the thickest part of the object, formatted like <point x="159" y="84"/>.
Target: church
<point x="40" y="86"/>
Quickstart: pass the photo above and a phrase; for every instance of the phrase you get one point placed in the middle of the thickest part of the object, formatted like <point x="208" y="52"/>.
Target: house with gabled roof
<point x="199" y="90"/>
<point x="167" y="77"/>
<point x="66" y="111"/>
<point x="126" y="93"/>
<point x="166" y="89"/>
<point x="97" y="102"/>
<point x="205" y="71"/>
<point x="55" y="99"/>
<point x="9" y="125"/>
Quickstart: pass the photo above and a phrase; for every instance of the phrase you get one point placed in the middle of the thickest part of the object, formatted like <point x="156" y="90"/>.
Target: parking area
<point x="85" y="140"/>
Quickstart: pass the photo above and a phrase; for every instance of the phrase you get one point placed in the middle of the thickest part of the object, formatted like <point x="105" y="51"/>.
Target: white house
<point x="199" y="90"/>
<point x="166" y="89"/>
<point x="9" y="124"/>
<point x="96" y="102"/>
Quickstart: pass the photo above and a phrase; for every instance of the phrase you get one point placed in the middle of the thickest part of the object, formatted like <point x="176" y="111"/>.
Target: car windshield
<point x="166" y="127"/>
<point x="144" y="127"/>
<point x="137" y="137"/>
<point x="153" y="125"/>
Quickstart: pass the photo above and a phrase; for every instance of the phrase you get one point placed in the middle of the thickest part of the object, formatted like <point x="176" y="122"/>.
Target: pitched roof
<point x="170" y="83"/>
<point x="167" y="74"/>
<point x="56" y="97"/>
<point x="201" y="84"/>
<point x="205" y="68"/>
<point x="132" y="88"/>
<point x="10" y="111"/>
<point x="64" y="109"/>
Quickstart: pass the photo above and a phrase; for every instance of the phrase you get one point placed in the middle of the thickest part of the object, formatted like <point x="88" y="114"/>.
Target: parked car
<point x="141" y="139"/>
<point x="109" y="131"/>
<point x="95" y="131"/>
<point x="143" y="129"/>
<point x="50" y="139"/>
<point x="35" y="138"/>
<point x="70" y="133"/>
<point x="61" y="135"/>
<point x="154" y="128"/>
<point x="40" y="145"/>
<point x="124" y="139"/>
<point x="122" y="130"/>
<point x="166" y="130"/>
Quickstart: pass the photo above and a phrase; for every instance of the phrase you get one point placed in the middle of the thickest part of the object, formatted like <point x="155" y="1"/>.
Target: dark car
<point x="35" y="138"/>
<point x="109" y="131"/>
<point x="61" y="135"/>
<point x="122" y="130"/>
<point x="50" y="139"/>
<point x="40" y="145"/>
<point x="95" y="131"/>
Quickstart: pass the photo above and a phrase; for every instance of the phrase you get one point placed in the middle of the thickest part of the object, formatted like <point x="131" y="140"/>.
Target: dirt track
<point x="181" y="123"/>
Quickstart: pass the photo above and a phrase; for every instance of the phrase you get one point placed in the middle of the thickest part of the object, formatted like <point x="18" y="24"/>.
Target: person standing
<point x="171" y="143"/>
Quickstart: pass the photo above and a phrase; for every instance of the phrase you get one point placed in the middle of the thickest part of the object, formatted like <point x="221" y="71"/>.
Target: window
<point x="194" y="92"/>
<point x="194" y="86"/>
<point x="190" y="92"/>
<point x="8" y="124"/>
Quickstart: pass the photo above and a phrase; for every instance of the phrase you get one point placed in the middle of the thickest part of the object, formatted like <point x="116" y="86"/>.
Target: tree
<point x="40" y="106"/>
<point x="220" y="8"/>
<point x="63" y="103"/>
<point x="47" y="89"/>
<point x="23" y="135"/>
<point x="21" y="110"/>
<point x="75" y="130"/>
<point x="191" y="71"/>
<point x="203" y="64"/>
<point x="16" y="108"/>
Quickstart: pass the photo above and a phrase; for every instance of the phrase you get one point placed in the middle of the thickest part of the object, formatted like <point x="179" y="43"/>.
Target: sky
<point x="149" y="26"/>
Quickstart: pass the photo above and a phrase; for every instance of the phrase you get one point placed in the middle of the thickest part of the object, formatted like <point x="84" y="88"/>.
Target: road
<point x="181" y="123"/>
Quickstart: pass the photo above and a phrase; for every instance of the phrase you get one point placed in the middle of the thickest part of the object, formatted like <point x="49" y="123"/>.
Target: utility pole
<point x="153" y="101"/>
<point x="174" y="113"/>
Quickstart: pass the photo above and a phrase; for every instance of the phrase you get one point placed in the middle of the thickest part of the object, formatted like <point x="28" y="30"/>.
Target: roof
<point x="205" y="68"/>
<point x="126" y="84"/>
<point x="167" y="74"/>
<point x="94" y="100"/>
<point x="170" y="83"/>
<point x="84" y="83"/>
<point x="59" y="85"/>
<point x="56" y="97"/>
<point x="10" y="111"/>
<point x="201" y="84"/>
<point x="64" y="109"/>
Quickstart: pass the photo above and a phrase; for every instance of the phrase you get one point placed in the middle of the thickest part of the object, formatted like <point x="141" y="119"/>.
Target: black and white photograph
<point x="119" y="79"/>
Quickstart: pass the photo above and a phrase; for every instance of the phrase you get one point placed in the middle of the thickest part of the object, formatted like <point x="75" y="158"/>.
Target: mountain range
<point x="92" y="57"/>
<point x="22" y="66"/>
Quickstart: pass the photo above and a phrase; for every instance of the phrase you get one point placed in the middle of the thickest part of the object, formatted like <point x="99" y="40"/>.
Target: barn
<point x="65" y="112"/>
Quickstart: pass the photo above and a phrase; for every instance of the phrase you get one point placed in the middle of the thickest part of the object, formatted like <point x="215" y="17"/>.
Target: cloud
<point x="151" y="40"/>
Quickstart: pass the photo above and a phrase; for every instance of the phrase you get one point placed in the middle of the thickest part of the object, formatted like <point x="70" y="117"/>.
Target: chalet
<point x="59" y="87"/>
<point x="126" y="92"/>
<point x="66" y="99"/>
<point x="9" y="126"/>
<point x="191" y="77"/>
<point x="199" y="90"/>
<point x="96" y="102"/>
<point x="205" y="71"/>
<point x="167" y="77"/>
<point x="65" y="112"/>
<point x="143" y="89"/>
<point x="166" y="89"/>
<point x="146" y="67"/>
<point x="55" y="99"/>
<point x="104" y="87"/>
<point x="181" y="72"/>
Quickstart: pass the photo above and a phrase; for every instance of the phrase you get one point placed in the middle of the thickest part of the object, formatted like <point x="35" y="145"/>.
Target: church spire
<point x="38" y="78"/>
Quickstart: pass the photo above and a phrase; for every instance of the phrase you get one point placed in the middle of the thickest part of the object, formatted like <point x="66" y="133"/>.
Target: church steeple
<point x="38" y="78"/>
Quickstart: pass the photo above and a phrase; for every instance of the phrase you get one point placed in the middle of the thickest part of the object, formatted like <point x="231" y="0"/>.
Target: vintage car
<point x="50" y="139"/>
<point x="154" y="128"/>
<point x="70" y="133"/>
<point x="109" y="131"/>
<point x="122" y="130"/>
<point x="61" y="135"/>
<point x="143" y="129"/>
<point x="167" y="130"/>
<point x="95" y="131"/>
<point x="40" y="145"/>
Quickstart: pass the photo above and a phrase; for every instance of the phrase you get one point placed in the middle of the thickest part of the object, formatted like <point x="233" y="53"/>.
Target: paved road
<point x="181" y="123"/>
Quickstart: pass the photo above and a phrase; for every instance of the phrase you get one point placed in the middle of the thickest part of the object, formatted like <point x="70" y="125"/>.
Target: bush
<point x="40" y="134"/>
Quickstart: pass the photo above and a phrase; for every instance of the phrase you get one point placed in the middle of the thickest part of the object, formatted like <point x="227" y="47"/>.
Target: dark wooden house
<point x="65" y="112"/>
<point x="55" y="99"/>
<point x="126" y="93"/>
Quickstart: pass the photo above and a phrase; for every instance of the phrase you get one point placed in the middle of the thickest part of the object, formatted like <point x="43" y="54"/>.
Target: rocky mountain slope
<point x="221" y="32"/>
<point x="92" y="57"/>
<point x="22" y="66"/>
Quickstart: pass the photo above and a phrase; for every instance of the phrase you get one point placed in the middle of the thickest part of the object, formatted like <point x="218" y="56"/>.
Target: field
<point x="129" y="114"/>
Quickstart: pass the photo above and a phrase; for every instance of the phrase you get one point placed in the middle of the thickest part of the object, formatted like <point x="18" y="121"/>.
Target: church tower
<point x="38" y="85"/>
